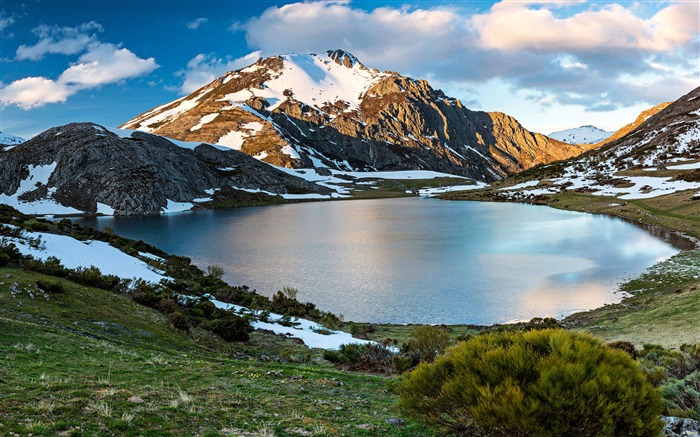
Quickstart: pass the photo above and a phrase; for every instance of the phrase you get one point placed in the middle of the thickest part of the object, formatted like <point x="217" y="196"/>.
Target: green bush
<point x="51" y="287"/>
<point x="179" y="321"/>
<point x="51" y="266"/>
<point x="624" y="346"/>
<point x="232" y="328"/>
<point x="426" y="343"/>
<point x="4" y="259"/>
<point x="537" y="383"/>
<point x="362" y="357"/>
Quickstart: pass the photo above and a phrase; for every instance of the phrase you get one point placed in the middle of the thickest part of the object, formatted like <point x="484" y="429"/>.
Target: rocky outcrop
<point x="330" y="110"/>
<point x="82" y="164"/>
<point x="681" y="427"/>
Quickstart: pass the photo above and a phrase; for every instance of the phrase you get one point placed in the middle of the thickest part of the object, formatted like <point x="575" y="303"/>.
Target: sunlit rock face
<point x="329" y="110"/>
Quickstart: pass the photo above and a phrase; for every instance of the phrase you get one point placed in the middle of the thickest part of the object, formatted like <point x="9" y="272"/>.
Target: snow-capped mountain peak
<point x="10" y="140"/>
<point x="330" y="110"/>
<point x="581" y="135"/>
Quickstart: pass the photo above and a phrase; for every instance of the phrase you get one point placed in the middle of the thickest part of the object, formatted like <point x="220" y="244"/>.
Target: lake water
<point x="413" y="260"/>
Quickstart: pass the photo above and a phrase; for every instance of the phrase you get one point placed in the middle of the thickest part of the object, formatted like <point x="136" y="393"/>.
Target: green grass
<point x="92" y="362"/>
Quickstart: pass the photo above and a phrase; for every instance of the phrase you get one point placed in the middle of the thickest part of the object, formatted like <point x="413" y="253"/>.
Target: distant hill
<point x="330" y="110"/>
<point x="581" y="135"/>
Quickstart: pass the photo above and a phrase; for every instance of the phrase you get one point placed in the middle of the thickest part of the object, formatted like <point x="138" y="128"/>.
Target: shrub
<point x="682" y="396"/>
<point x="91" y="276"/>
<point x="52" y="266"/>
<point x="426" y="343"/>
<point x="624" y="346"/>
<point x="542" y="323"/>
<point x="4" y="259"/>
<point x="51" y="287"/>
<point x="179" y="321"/>
<point x="539" y="383"/>
<point x="232" y="328"/>
<point x="215" y="271"/>
<point x="363" y="357"/>
<point x="168" y="306"/>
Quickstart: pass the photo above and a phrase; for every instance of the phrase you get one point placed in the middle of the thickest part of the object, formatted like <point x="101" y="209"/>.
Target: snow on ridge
<point x="314" y="80"/>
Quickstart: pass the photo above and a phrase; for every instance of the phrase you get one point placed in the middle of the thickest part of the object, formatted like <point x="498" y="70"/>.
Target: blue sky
<point x="551" y="65"/>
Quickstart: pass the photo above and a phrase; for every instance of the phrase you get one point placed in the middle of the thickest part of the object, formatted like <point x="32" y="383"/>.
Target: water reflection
<point x="413" y="260"/>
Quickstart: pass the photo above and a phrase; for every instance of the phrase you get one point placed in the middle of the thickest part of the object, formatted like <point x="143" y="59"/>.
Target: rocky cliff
<point x="83" y="167"/>
<point x="330" y="110"/>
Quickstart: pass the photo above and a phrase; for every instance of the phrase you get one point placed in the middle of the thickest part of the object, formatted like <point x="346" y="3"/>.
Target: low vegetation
<point x="544" y="383"/>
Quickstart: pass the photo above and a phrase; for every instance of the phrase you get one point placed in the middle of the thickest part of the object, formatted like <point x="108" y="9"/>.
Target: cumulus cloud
<point x="561" y="49"/>
<point x="612" y="26"/>
<point x="100" y="64"/>
<point x="59" y="40"/>
<point x="32" y="92"/>
<point x="106" y="63"/>
<point x="196" y="23"/>
<point x="203" y="69"/>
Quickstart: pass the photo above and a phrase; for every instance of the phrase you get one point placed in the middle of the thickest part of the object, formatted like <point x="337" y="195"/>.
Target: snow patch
<point x="173" y="206"/>
<point x="289" y="150"/>
<point x="304" y="329"/>
<point x="74" y="253"/>
<point x="204" y="120"/>
<point x="104" y="209"/>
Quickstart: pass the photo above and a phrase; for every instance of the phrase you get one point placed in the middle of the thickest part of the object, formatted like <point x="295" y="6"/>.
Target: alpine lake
<point x="413" y="260"/>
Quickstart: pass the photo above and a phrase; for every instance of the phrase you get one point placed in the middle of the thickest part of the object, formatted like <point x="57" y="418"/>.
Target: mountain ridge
<point x="330" y="110"/>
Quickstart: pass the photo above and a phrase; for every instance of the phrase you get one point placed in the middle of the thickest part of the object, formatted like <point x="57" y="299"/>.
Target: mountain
<point x="9" y="140"/>
<point x="581" y="135"/>
<point x="329" y="110"/>
<point x="644" y="116"/>
<point x="660" y="156"/>
<point x="86" y="168"/>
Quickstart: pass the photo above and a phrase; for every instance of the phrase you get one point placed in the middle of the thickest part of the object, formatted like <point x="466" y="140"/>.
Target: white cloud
<point x="101" y="64"/>
<point x="106" y="63"/>
<point x="558" y="49"/>
<point x="610" y="27"/>
<point x="33" y="92"/>
<point x="203" y="69"/>
<point x="196" y="23"/>
<point x="59" y="40"/>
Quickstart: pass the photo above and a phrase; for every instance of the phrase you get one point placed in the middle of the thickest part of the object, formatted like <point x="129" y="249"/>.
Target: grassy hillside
<point x="93" y="362"/>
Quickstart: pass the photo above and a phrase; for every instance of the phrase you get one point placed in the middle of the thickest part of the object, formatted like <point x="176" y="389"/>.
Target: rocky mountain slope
<point x="9" y="140"/>
<point x="660" y="156"/>
<point x="85" y="168"/>
<point x="644" y="116"/>
<point x="581" y="135"/>
<point x="329" y="110"/>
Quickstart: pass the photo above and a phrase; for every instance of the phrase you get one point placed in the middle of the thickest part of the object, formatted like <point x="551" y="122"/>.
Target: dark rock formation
<point x="134" y="174"/>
